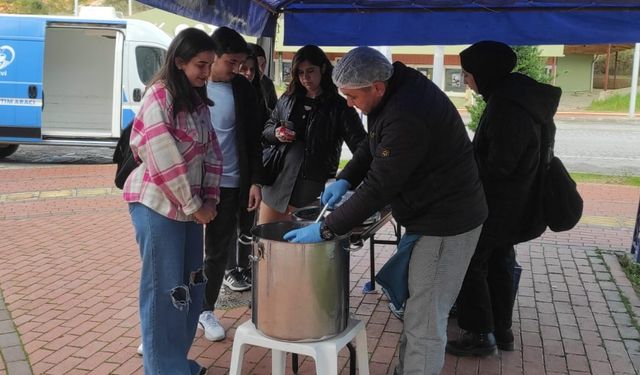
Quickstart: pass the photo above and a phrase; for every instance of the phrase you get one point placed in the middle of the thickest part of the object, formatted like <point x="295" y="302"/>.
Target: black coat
<point x="269" y="92"/>
<point x="419" y="159"/>
<point x="248" y="130"/>
<point x="507" y="146"/>
<point x="330" y="123"/>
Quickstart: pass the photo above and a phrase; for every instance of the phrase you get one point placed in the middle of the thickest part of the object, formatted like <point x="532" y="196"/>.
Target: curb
<point x="12" y="351"/>
<point x="622" y="115"/>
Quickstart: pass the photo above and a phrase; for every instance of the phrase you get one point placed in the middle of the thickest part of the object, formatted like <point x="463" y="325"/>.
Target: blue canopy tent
<point x="422" y="22"/>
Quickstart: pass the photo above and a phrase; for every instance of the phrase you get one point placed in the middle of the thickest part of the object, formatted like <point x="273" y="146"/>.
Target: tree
<point x="66" y="6"/>
<point x="28" y="7"/>
<point x="529" y="63"/>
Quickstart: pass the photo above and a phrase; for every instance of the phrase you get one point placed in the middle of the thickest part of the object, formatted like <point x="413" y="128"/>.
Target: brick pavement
<point x="70" y="266"/>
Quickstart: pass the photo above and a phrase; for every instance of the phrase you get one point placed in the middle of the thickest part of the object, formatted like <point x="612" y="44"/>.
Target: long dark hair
<point x="185" y="46"/>
<point x="256" y="82"/>
<point x="314" y="56"/>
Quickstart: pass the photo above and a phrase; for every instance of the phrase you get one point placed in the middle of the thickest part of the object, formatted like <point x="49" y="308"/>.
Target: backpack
<point x="123" y="157"/>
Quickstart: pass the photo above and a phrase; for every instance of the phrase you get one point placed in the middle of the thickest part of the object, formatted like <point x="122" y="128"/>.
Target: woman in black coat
<point x="313" y="120"/>
<point x="507" y="147"/>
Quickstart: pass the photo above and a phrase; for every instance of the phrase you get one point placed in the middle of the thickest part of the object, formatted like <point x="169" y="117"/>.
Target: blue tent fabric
<point x="450" y="28"/>
<point x="422" y="22"/>
<point x="246" y="17"/>
<point x="394" y="275"/>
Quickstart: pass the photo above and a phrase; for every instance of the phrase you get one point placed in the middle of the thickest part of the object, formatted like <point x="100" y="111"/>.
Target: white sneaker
<point x="213" y="330"/>
<point x="139" y="351"/>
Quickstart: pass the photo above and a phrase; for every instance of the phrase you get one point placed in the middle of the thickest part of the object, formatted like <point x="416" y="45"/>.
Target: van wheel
<point x="7" y="150"/>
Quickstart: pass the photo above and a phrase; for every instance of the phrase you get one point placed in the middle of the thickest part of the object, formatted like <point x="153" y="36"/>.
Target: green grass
<point x="580" y="177"/>
<point x="605" y="179"/>
<point x="615" y="103"/>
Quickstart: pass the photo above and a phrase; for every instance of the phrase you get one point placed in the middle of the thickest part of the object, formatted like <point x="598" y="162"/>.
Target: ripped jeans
<point x="171" y="289"/>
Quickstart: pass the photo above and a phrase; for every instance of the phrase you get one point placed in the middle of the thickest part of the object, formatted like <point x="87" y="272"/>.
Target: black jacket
<point x="419" y="159"/>
<point x="330" y="123"/>
<point x="507" y="146"/>
<point x="269" y="92"/>
<point x="248" y="130"/>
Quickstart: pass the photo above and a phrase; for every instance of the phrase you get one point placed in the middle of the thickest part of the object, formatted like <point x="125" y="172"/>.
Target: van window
<point x="149" y="60"/>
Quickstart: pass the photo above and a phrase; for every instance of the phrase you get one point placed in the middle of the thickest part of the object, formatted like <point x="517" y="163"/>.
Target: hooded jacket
<point x="507" y="148"/>
<point x="419" y="159"/>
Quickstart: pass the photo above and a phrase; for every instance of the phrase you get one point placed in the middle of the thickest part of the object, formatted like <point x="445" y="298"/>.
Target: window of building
<point x="286" y="71"/>
<point x="453" y="80"/>
<point x="426" y="71"/>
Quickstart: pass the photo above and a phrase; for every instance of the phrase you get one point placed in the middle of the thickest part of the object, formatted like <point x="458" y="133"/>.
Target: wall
<point x="574" y="72"/>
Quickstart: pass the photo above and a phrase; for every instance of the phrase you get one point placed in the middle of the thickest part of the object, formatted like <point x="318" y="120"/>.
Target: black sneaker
<point x="234" y="281"/>
<point x="246" y="275"/>
<point x="473" y="344"/>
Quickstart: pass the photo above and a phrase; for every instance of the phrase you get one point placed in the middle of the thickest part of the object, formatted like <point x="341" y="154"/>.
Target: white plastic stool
<point x="325" y="353"/>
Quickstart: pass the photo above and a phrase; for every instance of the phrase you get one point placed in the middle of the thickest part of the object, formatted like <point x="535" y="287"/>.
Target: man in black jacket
<point x="268" y="89"/>
<point x="419" y="160"/>
<point x="507" y="146"/>
<point x="235" y="117"/>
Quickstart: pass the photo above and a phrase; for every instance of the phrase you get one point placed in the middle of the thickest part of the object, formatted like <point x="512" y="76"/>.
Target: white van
<point x="73" y="81"/>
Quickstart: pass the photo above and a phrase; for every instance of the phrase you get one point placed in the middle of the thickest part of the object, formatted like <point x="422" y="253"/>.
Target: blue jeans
<point x="171" y="289"/>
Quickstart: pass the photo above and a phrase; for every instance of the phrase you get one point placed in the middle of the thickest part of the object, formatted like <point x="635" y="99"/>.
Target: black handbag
<point x="273" y="161"/>
<point x="556" y="203"/>
<point x="562" y="203"/>
<point x="123" y="157"/>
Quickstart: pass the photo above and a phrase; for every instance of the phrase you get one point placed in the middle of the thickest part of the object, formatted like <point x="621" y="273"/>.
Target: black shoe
<point x="473" y="344"/>
<point x="246" y="275"/>
<point x="234" y="281"/>
<point x="504" y="340"/>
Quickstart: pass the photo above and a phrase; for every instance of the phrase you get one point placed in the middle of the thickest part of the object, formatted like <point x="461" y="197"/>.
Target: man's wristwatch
<point x="326" y="233"/>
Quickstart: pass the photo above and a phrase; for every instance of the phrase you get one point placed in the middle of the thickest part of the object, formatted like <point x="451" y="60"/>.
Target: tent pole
<point x="634" y="81"/>
<point x="615" y="70"/>
<point x="606" y="68"/>
<point x="438" y="66"/>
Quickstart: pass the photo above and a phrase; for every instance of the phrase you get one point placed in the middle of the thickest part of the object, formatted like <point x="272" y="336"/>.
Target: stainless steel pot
<point x="300" y="291"/>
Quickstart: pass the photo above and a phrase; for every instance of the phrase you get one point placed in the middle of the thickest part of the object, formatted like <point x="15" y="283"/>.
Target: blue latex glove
<point x="333" y="193"/>
<point x="308" y="234"/>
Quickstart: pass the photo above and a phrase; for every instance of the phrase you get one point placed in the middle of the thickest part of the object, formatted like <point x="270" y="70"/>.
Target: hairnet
<point x="360" y="67"/>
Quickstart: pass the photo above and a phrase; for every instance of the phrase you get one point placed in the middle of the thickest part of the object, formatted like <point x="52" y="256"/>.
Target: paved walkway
<point x="69" y="274"/>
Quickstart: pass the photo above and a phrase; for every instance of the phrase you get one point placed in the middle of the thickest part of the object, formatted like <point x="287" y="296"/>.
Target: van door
<point x="143" y="61"/>
<point x="82" y="80"/>
<point x="21" y="59"/>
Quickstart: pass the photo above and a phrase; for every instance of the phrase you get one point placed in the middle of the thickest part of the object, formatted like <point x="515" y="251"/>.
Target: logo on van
<point x="7" y="55"/>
